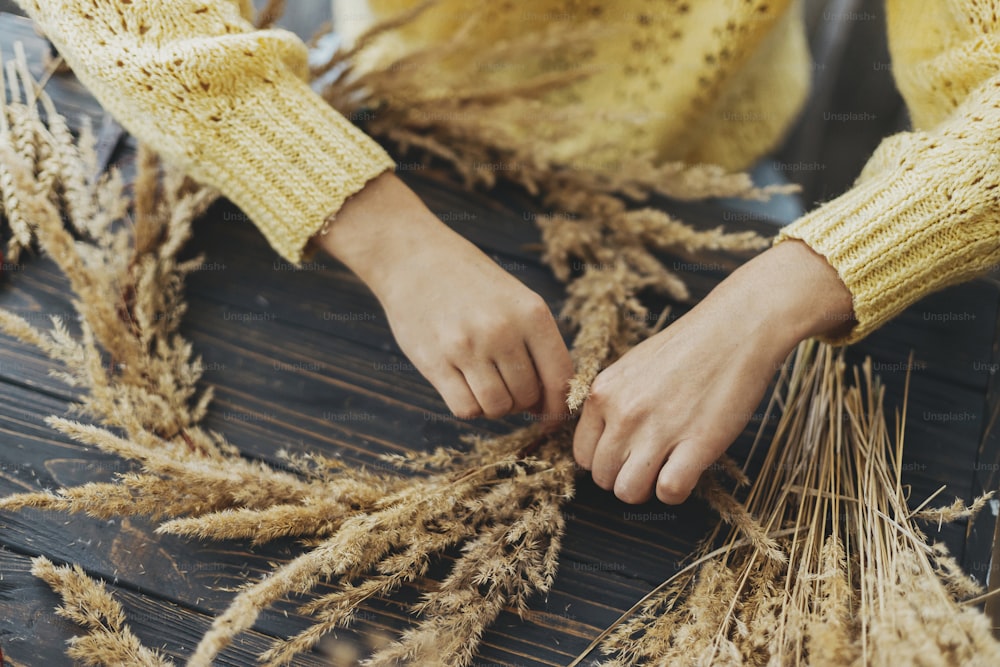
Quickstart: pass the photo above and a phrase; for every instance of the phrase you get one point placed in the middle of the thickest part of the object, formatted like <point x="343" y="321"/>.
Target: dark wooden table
<point x="321" y="373"/>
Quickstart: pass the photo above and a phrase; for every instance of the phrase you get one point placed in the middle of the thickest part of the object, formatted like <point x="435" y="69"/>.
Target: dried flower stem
<point x="860" y="584"/>
<point x="789" y="586"/>
<point x="87" y="603"/>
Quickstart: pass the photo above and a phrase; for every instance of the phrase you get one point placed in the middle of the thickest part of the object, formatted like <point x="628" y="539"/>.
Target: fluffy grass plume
<point x="858" y="583"/>
<point x="496" y="501"/>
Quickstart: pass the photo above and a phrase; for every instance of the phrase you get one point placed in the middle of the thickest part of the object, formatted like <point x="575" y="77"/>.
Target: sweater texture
<point x="699" y="81"/>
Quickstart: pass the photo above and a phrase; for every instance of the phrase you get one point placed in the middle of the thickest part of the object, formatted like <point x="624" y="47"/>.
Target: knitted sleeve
<point x="925" y="212"/>
<point x="226" y="103"/>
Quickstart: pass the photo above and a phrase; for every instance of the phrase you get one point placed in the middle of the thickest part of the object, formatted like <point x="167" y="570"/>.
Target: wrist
<point x="806" y="291"/>
<point x="790" y="293"/>
<point x="379" y="229"/>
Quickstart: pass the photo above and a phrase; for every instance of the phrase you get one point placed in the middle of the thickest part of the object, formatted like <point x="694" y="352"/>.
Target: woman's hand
<point x="665" y="411"/>
<point x="487" y="343"/>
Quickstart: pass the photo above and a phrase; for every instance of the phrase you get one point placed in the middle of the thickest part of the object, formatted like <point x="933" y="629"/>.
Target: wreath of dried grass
<point x="831" y="571"/>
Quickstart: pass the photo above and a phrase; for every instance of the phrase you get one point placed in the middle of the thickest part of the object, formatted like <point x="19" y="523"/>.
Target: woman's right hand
<point x="487" y="343"/>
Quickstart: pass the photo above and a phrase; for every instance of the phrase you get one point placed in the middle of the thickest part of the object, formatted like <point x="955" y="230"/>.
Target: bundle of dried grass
<point x="855" y="582"/>
<point x="371" y="532"/>
<point x="779" y="591"/>
<point x="500" y="499"/>
<point x="88" y="603"/>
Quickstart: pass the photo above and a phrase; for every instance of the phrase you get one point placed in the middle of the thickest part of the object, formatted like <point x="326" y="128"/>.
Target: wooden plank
<point x="292" y="385"/>
<point x="309" y="379"/>
<point x="584" y="532"/>
<point x="599" y="541"/>
<point x="604" y="544"/>
<point x="299" y="399"/>
<point x="31" y="634"/>
<point x="34" y="457"/>
<point x="598" y="554"/>
<point x="982" y="556"/>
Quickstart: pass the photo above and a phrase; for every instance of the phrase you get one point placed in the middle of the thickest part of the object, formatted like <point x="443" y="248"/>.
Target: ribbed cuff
<point x="900" y="235"/>
<point x="290" y="162"/>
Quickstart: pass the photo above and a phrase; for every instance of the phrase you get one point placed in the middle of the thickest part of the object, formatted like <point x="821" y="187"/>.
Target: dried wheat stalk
<point x="370" y="533"/>
<point x="376" y="532"/>
<point x="87" y="603"/>
<point x="859" y="584"/>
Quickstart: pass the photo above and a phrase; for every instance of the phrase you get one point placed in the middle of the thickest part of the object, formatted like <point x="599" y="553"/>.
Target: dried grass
<point x="780" y="589"/>
<point x="858" y="583"/>
<point x="87" y="603"/>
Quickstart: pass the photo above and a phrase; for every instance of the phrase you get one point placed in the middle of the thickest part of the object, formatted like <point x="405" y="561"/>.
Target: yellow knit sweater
<point x="696" y="80"/>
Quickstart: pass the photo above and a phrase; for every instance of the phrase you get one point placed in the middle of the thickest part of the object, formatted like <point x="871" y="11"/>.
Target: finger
<point x="680" y="472"/>
<point x="610" y="454"/>
<point x="636" y="480"/>
<point x="554" y="366"/>
<point x="587" y="434"/>
<point x="518" y="374"/>
<point x="489" y="389"/>
<point x="456" y="394"/>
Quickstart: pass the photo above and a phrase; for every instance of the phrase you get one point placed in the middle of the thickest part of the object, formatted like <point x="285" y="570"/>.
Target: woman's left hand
<point x="665" y="411"/>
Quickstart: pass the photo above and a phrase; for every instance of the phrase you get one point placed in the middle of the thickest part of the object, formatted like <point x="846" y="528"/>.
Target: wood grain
<point x="322" y="373"/>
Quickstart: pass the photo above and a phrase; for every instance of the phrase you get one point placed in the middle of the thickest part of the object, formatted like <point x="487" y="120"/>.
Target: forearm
<point x="385" y="230"/>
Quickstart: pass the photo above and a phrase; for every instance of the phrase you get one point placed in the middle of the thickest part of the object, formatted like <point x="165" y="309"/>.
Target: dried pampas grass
<point x="787" y="589"/>
<point x="87" y="603"/>
<point x="372" y="532"/>
<point x="854" y="581"/>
